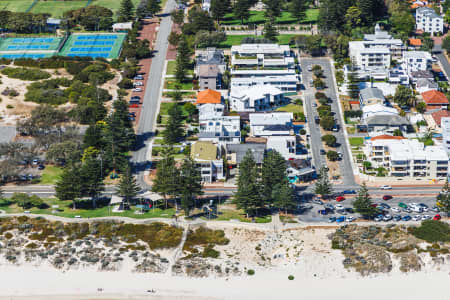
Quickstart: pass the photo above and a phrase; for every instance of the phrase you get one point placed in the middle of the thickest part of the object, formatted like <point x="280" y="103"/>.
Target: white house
<point x="261" y="56"/>
<point x="429" y="21"/>
<point x="220" y="129"/>
<point x="414" y="61"/>
<point x="371" y="96"/>
<point x="406" y="158"/>
<point x="210" y="110"/>
<point x="269" y="124"/>
<point x="377" y="109"/>
<point x="256" y="98"/>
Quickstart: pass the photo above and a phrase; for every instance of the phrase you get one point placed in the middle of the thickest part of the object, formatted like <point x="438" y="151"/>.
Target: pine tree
<point x="92" y="178"/>
<point x="248" y="195"/>
<point x="153" y="6"/>
<point x="241" y="10"/>
<point x="167" y="177"/>
<point x="298" y="8"/>
<point x="323" y="185"/>
<point x="270" y="31"/>
<point x="363" y="203"/>
<point x="69" y="186"/>
<point x="283" y="196"/>
<point x="443" y="199"/>
<point x="182" y="60"/>
<point x="353" y="82"/>
<point x="191" y="185"/>
<point x="126" y="11"/>
<point x="219" y="8"/>
<point x="127" y="187"/>
<point x="273" y="173"/>
<point x="174" y="128"/>
<point x="273" y="8"/>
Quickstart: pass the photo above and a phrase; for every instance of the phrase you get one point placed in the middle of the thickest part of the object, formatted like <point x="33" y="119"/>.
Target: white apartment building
<point x="261" y="56"/>
<point x="217" y="128"/>
<point x="445" y="125"/>
<point x="383" y="38"/>
<point x="271" y="124"/>
<point x="256" y="98"/>
<point x="369" y="57"/>
<point x="285" y="145"/>
<point x="429" y="21"/>
<point x="414" y="61"/>
<point x="285" y="80"/>
<point x="406" y="158"/>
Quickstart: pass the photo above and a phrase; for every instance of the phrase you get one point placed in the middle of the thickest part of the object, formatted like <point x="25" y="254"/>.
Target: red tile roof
<point x="438" y="115"/>
<point x="209" y="96"/>
<point x="386" y="137"/>
<point x="415" y="42"/>
<point x="434" y="97"/>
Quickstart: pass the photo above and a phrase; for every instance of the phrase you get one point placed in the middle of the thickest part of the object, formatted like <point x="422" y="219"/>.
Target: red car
<point x="387" y="197"/>
<point x="340" y="198"/>
<point x="437" y="217"/>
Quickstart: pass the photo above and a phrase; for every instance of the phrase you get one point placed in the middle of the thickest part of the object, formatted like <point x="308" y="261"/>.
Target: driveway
<point x="345" y="166"/>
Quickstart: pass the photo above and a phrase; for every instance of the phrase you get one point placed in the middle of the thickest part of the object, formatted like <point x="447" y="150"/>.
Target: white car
<point x="137" y="90"/>
<point x="417" y="218"/>
<point x="387" y="218"/>
<point x="350" y="219"/>
<point x="426" y="217"/>
<point x="339" y="206"/>
<point x="395" y="209"/>
<point x="385" y="187"/>
<point x="138" y="83"/>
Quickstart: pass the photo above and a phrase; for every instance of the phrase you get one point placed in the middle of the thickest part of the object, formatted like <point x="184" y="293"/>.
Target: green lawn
<point x="171" y="83"/>
<point x="257" y="17"/>
<point x="112" y="4"/>
<point x="356" y="141"/>
<point x="291" y="108"/>
<point x="65" y="210"/>
<point x="236" y="39"/>
<point x="15" y="5"/>
<point x="171" y="68"/>
<point x="57" y="8"/>
<point x="51" y="175"/>
<point x="228" y="214"/>
<point x="164" y="109"/>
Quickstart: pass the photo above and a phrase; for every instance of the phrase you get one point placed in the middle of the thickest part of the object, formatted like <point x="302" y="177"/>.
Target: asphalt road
<point x="151" y="100"/>
<point x="442" y="59"/>
<point x="345" y="166"/>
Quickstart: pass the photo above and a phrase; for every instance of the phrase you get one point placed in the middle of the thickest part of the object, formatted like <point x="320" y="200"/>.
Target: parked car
<point x="378" y="218"/>
<point x="435" y="208"/>
<point x="406" y="218"/>
<point x="350" y="219"/>
<point x="41" y="167"/>
<point x="387" y="197"/>
<point x="132" y="114"/>
<point x="340" y="219"/>
<point x="35" y="161"/>
<point x="339" y="206"/>
<point x="384" y="206"/>
<point x="402" y="205"/>
<point x="407" y="210"/>
<point x="426" y="217"/>
<point x="322" y="212"/>
<point x="137" y="90"/>
<point x="417" y="218"/>
<point x="387" y="218"/>
<point x="138" y="77"/>
<point x="310" y="68"/>
<point x="349" y="192"/>
<point x="349" y="210"/>
<point x="395" y="209"/>
<point x="397" y="218"/>
<point x="317" y="201"/>
<point x="385" y="187"/>
<point x="138" y="83"/>
<point x="341" y="211"/>
<point x="340" y="198"/>
<point x="331" y="219"/>
<point x="311" y="83"/>
<point x="314" y="104"/>
<point x="437" y="217"/>
<point x="329" y="206"/>
<point x="424" y="206"/>
<point x="322" y="152"/>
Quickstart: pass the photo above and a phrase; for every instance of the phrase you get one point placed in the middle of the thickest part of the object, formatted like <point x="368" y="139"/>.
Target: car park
<point x="426" y="217"/>
<point x="395" y="209"/>
<point x="437" y="217"/>
<point x="332" y="219"/>
<point x="350" y="219"/>
<point x="340" y="219"/>
<point x="406" y="218"/>
<point x="387" y="197"/>
<point x="385" y="187"/>
<point x="417" y="218"/>
<point x="387" y="217"/>
<point x="340" y="198"/>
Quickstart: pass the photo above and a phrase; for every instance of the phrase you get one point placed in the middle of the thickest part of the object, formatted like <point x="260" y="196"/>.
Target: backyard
<point x="257" y="17"/>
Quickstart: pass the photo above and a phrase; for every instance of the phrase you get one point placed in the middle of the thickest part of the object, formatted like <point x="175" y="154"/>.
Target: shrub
<point x="9" y="106"/>
<point x="209" y="251"/>
<point x="432" y="231"/>
<point x="302" y="131"/>
<point x="291" y="277"/>
<point x="329" y="139"/>
<point x="26" y="74"/>
<point x="251" y="272"/>
<point x="125" y="83"/>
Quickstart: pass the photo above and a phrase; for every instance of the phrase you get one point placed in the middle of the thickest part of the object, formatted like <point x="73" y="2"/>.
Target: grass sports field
<point x="57" y="8"/>
<point x="15" y="5"/>
<point x="257" y="17"/>
<point x="112" y="4"/>
<point x="94" y="45"/>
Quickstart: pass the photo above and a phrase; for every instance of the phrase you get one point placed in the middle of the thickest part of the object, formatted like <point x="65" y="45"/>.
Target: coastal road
<point x="439" y="53"/>
<point x="345" y="165"/>
<point x="151" y="100"/>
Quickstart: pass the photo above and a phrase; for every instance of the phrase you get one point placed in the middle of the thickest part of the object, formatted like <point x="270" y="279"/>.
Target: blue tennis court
<point x="32" y="40"/>
<point x="104" y="55"/>
<point x="15" y="56"/>
<point x="94" y="43"/>
<point x="28" y="47"/>
<point x="87" y="49"/>
<point x="96" y="37"/>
